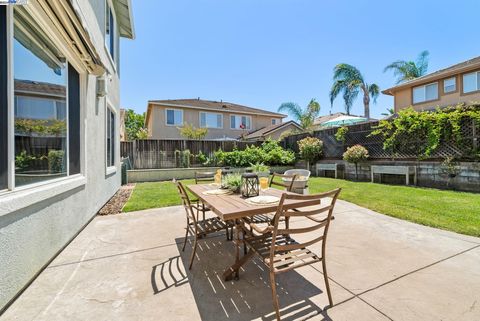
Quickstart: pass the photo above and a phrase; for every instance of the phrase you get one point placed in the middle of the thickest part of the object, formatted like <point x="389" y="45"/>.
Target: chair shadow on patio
<point x="249" y="298"/>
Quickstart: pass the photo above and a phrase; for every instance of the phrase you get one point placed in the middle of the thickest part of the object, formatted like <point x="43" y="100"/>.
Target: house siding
<point x="31" y="236"/>
<point x="158" y="129"/>
<point x="403" y="98"/>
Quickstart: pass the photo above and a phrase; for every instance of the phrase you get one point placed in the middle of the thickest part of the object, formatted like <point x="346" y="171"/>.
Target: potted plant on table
<point x="232" y="182"/>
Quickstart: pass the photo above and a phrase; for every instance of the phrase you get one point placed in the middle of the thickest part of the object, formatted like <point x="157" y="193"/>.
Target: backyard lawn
<point x="455" y="211"/>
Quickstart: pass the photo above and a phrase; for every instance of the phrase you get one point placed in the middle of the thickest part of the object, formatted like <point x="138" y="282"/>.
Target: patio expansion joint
<point x="358" y="295"/>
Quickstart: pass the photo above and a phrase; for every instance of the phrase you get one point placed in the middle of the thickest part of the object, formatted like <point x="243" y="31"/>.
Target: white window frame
<point x="239" y="115"/>
<point x="166" y="118"/>
<point x="476" y="81"/>
<point x="109" y="107"/>
<point x="109" y="5"/>
<point x="15" y="198"/>
<point x="206" y="126"/>
<point x="425" y="93"/>
<point x="454" y="85"/>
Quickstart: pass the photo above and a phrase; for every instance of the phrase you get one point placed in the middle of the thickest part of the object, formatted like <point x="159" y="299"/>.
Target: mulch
<point x="116" y="203"/>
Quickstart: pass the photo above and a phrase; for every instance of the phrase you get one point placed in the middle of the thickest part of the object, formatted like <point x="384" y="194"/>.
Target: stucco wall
<point x="159" y="130"/>
<point x="32" y="235"/>
<point x="403" y="97"/>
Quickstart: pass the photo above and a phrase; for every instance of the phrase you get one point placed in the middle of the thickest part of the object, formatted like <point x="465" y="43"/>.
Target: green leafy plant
<point x="41" y="127"/>
<point x="450" y="167"/>
<point x="23" y="160"/>
<point x="233" y="182"/>
<point x="356" y="154"/>
<point x="259" y="168"/>
<point x="202" y="158"/>
<point x="56" y="161"/>
<point x="310" y="149"/>
<point x="135" y="125"/>
<point x="191" y="132"/>
<point x="341" y="134"/>
<point x="426" y="130"/>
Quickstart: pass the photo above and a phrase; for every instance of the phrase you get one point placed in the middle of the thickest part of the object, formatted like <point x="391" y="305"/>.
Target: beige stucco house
<point x="459" y="83"/>
<point x="224" y="120"/>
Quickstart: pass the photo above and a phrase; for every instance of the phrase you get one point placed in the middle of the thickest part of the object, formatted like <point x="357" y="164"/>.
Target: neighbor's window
<point x="211" y="120"/>
<point x="274" y="121"/>
<point x="109" y="30"/>
<point x="449" y="85"/>
<point x="40" y="105"/>
<point x="110" y="137"/>
<point x="174" y="117"/>
<point x="471" y="82"/>
<point x="240" y="122"/>
<point x="425" y="93"/>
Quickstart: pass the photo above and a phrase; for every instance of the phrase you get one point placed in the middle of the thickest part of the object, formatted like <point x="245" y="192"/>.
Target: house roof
<point x="461" y="67"/>
<point x="262" y="132"/>
<point x="37" y="88"/>
<point x="211" y="105"/>
<point x="123" y="10"/>
<point x="320" y="120"/>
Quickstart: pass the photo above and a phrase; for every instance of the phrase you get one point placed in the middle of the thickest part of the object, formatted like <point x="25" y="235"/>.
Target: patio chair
<point x="195" y="227"/>
<point x="288" y="184"/>
<point x="301" y="184"/>
<point x="277" y="247"/>
<point x="204" y="177"/>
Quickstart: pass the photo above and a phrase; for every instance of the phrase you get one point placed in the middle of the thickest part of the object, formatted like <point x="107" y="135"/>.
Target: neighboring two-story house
<point x="224" y="120"/>
<point x="459" y="83"/>
<point x="59" y="127"/>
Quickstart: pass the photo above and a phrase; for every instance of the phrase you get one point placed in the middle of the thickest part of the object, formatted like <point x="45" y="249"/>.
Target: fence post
<point x="134" y="153"/>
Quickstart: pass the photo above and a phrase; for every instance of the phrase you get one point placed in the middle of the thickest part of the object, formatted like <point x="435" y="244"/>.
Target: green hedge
<point x="269" y="153"/>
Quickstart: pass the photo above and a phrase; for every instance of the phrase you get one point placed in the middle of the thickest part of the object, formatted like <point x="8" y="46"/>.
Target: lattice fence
<point x="361" y="134"/>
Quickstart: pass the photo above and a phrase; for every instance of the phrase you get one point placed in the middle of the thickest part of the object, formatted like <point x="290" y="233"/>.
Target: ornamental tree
<point x="356" y="154"/>
<point x="310" y="149"/>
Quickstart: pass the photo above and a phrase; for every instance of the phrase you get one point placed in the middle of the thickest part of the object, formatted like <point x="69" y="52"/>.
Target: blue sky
<point x="261" y="53"/>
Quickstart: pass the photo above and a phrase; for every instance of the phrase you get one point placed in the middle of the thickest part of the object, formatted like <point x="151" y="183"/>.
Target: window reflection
<point x="40" y="104"/>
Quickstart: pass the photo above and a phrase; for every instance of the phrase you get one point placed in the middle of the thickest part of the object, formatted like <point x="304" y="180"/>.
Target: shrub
<point x="341" y="134"/>
<point x="356" y="154"/>
<point x="259" y="168"/>
<point x="310" y="149"/>
<point x="269" y="153"/>
<point x="191" y="132"/>
<point x="56" y="162"/>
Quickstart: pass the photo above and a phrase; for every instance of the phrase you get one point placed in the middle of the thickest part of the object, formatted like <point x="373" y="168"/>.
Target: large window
<point x="425" y="93"/>
<point x="45" y="88"/>
<point x="110" y="137"/>
<point x="471" y="82"/>
<point x="211" y="120"/>
<point x="240" y="122"/>
<point x="174" y="117"/>
<point x="109" y="30"/>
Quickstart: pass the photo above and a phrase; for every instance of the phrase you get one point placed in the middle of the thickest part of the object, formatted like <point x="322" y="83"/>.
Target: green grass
<point x="449" y="210"/>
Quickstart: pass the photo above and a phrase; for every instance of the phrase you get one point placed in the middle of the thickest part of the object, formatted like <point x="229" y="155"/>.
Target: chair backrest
<point x="286" y="181"/>
<point x="319" y="217"/>
<point x="204" y="177"/>
<point x="186" y="201"/>
<point x="301" y="173"/>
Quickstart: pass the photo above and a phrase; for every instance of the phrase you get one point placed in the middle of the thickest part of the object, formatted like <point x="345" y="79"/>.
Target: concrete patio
<point x="130" y="267"/>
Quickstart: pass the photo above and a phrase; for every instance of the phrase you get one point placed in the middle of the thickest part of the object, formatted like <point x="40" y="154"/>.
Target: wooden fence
<point x="360" y="134"/>
<point x="167" y="153"/>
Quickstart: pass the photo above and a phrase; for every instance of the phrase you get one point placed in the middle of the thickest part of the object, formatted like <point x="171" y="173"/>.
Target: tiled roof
<point x="269" y="129"/>
<point x="215" y="105"/>
<point x="463" y="66"/>
<point x="39" y="88"/>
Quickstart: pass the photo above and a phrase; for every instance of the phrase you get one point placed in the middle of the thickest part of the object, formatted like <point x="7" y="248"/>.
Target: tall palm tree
<point x="349" y="81"/>
<point x="408" y="70"/>
<point x="304" y="116"/>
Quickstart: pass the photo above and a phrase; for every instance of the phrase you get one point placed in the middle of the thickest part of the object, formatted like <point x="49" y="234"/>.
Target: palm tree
<point x="389" y="112"/>
<point x="349" y="81"/>
<point x="305" y="117"/>
<point x="408" y="70"/>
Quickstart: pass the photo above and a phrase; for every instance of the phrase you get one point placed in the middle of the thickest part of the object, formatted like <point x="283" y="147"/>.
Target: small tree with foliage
<point x="355" y="155"/>
<point x="191" y="132"/>
<point x="135" y="125"/>
<point x="310" y="149"/>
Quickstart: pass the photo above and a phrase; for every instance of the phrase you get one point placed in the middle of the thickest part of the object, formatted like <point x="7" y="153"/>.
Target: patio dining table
<point x="234" y="207"/>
